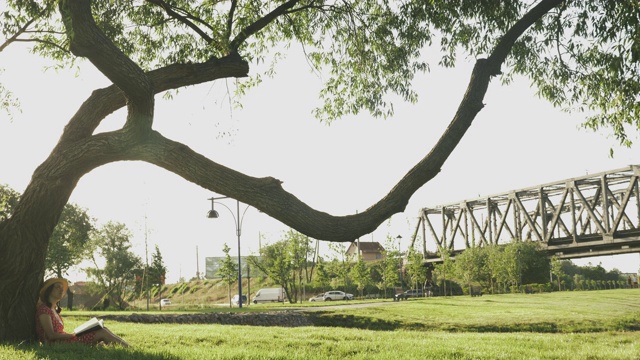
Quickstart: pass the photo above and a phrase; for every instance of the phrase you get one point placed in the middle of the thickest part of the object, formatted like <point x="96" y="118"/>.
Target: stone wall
<point x="275" y="318"/>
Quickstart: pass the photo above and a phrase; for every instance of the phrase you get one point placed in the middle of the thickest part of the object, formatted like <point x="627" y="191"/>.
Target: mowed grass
<point x="567" y="325"/>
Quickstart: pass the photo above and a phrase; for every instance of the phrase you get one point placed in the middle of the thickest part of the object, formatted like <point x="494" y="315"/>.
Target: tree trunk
<point x="23" y="244"/>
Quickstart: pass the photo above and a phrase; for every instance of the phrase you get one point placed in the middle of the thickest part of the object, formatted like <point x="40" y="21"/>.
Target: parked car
<point x="165" y="302"/>
<point x="336" y="295"/>
<point x="408" y="294"/>
<point x="234" y="299"/>
<point x="319" y="297"/>
<point x="270" y="295"/>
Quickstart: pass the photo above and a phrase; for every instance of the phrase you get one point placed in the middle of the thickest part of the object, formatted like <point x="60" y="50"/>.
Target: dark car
<point x="234" y="299"/>
<point x="408" y="294"/>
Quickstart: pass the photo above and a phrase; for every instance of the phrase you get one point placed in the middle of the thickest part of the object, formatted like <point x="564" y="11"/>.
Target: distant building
<point x="370" y="251"/>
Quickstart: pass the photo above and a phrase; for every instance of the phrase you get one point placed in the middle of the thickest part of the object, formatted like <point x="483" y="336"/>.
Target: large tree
<point x="580" y="54"/>
<point x="115" y="271"/>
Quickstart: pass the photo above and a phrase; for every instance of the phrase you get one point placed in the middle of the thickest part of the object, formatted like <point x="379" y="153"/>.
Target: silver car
<point x="335" y="295"/>
<point x="319" y="297"/>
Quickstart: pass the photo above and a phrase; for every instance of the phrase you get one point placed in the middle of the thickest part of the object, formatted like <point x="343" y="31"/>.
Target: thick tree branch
<point x="468" y="108"/>
<point x="265" y="194"/>
<point x="87" y="40"/>
<point x="503" y="48"/>
<point x="232" y="11"/>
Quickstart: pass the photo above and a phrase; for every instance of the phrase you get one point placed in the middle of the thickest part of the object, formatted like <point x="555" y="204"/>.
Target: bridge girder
<point x="591" y="215"/>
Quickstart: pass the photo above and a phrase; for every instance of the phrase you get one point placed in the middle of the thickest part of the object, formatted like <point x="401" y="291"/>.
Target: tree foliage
<point x="471" y="266"/>
<point x="286" y="262"/>
<point x="416" y="270"/>
<point x="116" y="273"/>
<point x="8" y="201"/>
<point x="70" y="242"/>
<point x="157" y="270"/>
<point x="322" y="278"/>
<point x="361" y="275"/>
<point x="390" y="270"/>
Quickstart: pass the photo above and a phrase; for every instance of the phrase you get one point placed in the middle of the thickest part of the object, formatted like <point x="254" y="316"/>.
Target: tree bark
<point x="24" y="237"/>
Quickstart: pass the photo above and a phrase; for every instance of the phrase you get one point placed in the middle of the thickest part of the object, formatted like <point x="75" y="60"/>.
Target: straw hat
<point x="49" y="282"/>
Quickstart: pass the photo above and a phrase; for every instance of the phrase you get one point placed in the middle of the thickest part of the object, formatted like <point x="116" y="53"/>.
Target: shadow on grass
<point x="327" y="319"/>
<point x="83" y="352"/>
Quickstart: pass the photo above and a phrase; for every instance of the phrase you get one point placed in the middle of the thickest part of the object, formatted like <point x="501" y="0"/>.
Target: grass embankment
<point x="568" y="325"/>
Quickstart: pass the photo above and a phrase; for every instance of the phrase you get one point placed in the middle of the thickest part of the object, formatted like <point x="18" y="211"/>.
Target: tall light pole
<point x="213" y="214"/>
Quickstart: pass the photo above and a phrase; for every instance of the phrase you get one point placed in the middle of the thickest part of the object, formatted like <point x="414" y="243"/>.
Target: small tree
<point x="361" y="275"/>
<point x="556" y="270"/>
<point x="390" y="271"/>
<point x="416" y="270"/>
<point x="322" y="278"/>
<point x="470" y="266"/>
<point x="445" y="269"/>
<point x="228" y="271"/>
<point x="157" y="270"/>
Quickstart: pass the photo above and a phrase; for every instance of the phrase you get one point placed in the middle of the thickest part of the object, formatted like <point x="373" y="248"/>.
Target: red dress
<point x="58" y="326"/>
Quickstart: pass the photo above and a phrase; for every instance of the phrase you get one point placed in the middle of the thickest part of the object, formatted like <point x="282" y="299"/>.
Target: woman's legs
<point x="106" y="336"/>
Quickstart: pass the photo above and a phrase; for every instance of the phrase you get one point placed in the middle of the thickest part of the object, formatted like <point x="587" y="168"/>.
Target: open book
<point x="91" y="324"/>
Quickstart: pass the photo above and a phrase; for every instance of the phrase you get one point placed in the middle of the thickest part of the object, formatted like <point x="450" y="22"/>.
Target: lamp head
<point x="212" y="214"/>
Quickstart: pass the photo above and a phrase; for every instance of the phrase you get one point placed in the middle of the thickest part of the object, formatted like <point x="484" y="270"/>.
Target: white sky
<point x="516" y="141"/>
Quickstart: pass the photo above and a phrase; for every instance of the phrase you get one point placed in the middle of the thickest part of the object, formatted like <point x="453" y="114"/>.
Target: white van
<point x="270" y="295"/>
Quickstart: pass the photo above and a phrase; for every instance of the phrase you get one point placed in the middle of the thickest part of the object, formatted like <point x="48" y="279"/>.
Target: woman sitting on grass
<point x="49" y="324"/>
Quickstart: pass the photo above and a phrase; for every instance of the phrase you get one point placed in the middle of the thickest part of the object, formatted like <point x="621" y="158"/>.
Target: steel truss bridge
<point x="592" y="215"/>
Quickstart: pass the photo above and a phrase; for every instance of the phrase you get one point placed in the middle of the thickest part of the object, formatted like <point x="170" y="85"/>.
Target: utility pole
<point x="197" y="264"/>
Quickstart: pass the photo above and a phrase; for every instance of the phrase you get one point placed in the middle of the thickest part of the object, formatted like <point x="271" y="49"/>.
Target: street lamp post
<point x="213" y="214"/>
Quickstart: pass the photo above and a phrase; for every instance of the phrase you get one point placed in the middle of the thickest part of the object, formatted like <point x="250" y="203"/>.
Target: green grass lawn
<point x="568" y="325"/>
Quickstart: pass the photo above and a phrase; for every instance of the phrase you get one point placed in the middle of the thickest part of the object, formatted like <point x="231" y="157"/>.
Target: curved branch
<point x="265" y="194"/>
<point x="503" y="48"/>
<point x="469" y="107"/>
<point x="87" y="40"/>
